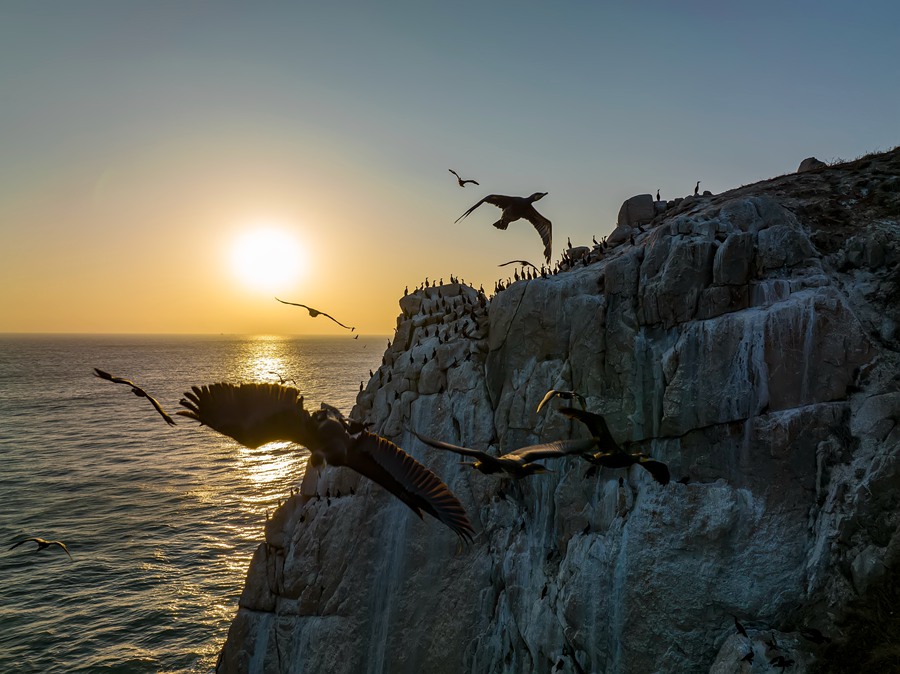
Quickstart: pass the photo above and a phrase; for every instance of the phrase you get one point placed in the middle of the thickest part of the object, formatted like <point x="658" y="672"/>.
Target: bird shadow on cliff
<point x="871" y="625"/>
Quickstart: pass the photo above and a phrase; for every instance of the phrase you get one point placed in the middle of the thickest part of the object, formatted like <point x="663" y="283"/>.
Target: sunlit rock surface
<point x="749" y="340"/>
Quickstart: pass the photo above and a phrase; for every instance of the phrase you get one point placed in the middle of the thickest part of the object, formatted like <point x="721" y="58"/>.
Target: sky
<point x="142" y="142"/>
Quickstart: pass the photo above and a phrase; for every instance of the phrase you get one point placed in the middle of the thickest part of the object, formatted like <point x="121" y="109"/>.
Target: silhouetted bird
<point x="610" y="454"/>
<point x="138" y="391"/>
<point x="657" y="195"/>
<point x="462" y="183"/>
<point x="42" y="545"/>
<point x="282" y="379"/>
<point x="518" y="463"/>
<point x="255" y="414"/>
<point x="697" y="188"/>
<point x="521" y="262"/>
<point x="516" y="208"/>
<point x="316" y="312"/>
<point x="565" y="395"/>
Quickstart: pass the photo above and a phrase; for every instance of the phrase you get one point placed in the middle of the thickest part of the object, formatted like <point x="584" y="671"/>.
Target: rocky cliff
<point x="749" y="340"/>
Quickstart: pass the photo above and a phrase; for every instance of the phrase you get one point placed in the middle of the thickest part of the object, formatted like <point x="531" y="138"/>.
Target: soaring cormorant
<point x="316" y="312"/>
<point x="43" y="545"/>
<point x="565" y="395"/>
<point x="462" y="183"/>
<point x="524" y="263"/>
<point x="518" y="463"/>
<point x="519" y="208"/>
<point x="138" y="391"/>
<point x="610" y="454"/>
<point x="255" y="414"/>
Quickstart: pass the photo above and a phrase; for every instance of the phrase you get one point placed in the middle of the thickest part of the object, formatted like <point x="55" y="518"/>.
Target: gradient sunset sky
<point x="140" y="140"/>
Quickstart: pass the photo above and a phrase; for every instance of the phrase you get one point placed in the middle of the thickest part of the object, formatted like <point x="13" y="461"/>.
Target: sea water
<point x="160" y="521"/>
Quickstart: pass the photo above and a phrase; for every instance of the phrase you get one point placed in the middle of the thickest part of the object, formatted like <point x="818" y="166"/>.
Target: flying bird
<point x="255" y="414"/>
<point x="518" y="463"/>
<point x="610" y="454"/>
<point x="565" y="395"/>
<point x="43" y="545"/>
<point x="462" y="183"/>
<point x="316" y="312"/>
<point x="519" y="208"/>
<point x="138" y="391"/>
<point x="524" y="263"/>
<point x="281" y="378"/>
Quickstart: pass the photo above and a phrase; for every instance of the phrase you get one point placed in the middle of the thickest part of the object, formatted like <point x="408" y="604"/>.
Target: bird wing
<point x="465" y="451"/>
<point x="337" y="321"/>
<point x="153" y="401"/>
<point x="253" y="414"/>
<point x="474" y="182"/>
<point x="383" y="462"/>
<point x="552" y="450"/>
<point x="546" y="399"/>
<point x="455" y="173"/>
<point x="521" y="262"/>
<point x="15" y="545"/>
<point x="596" y="424"/>
<point x="499" y="200"/>
<point x="294" y="304"/>
<point x="118" y="380"/>
<point x="62" y="545"/>
<point x="544" y="228"/>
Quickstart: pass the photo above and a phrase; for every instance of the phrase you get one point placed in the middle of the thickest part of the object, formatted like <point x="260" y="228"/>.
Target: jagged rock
<point x="809" y="164"/>
<point x="638" y="210"/>
<point x="745" y="341"/>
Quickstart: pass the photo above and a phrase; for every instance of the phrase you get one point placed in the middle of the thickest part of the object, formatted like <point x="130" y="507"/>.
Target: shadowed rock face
<point x="749" y="340"/>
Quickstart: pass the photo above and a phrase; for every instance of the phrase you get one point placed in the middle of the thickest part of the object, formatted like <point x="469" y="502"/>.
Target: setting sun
<point x="266" y="258"/>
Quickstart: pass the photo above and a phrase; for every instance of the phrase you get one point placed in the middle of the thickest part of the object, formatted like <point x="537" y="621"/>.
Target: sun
<point x="267" y="258"/>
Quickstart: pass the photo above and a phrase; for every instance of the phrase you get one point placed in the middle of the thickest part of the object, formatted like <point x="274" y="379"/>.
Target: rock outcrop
<point x="748" y="339"/>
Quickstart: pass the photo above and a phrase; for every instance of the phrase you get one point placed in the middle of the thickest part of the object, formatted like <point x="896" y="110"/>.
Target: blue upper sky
<point x="182" y="118"/>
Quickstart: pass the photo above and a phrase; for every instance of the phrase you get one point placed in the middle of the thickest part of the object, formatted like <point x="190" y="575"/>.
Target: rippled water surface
<point x="161" y="522"/>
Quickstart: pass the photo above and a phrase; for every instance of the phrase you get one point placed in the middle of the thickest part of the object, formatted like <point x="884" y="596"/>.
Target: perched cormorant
<point x="610" y="454"/>
<point x="697" y="188"/>
<point x="138" y="391"/>
<point x="316" y="312"/>
<point x="516" y="208"/>
<point x="462" y="183"/>
<point x="565" y="395"/>
<point x="518" y="463"/>
<point x="657" y="195"/>
<point x="42" y="545"/>
<point x="255" y="414"/>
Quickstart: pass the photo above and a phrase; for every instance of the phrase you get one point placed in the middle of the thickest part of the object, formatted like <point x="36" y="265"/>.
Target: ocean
<point x="160" y="521"/>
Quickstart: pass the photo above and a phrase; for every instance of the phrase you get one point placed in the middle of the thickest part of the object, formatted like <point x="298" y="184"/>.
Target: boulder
<point x="638" y="210"/>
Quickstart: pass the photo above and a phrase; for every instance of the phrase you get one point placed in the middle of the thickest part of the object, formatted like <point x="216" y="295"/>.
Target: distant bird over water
<point x="281" y="378"/>
<point x="255" y="414"/>
<point x="138" y="391"/>
<point x="518" y="463"/>
<point x="462" y="183"/>
<point x="610" y="454"/>
<point x="42" y="545"/>
<point x="316" y="312"/>
<point x="519" y="208"/>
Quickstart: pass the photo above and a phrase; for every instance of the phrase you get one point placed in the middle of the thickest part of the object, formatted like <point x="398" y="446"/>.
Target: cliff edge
<point x="751" y="340"/>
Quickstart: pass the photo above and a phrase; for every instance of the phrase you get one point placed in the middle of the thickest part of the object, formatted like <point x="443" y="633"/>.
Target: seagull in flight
<point x="520" y="462"/>
<point x="257" y="413"/>
<point x="316" y="312"/>
<point x="519" y="208"/>
<point x="565" y="395"/>
<point x="281" y="378"/>
<point x="43" y="545"/>
<point x="462" y="183"/>
<point x="138" y="391"/>
<point x="524" y="263"/>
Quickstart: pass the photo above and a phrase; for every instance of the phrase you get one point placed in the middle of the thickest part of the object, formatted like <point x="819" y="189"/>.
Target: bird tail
<point x="501" y="224"/>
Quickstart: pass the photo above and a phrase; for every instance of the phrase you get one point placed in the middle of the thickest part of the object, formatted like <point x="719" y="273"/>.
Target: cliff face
<point x="749" y="340"/>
